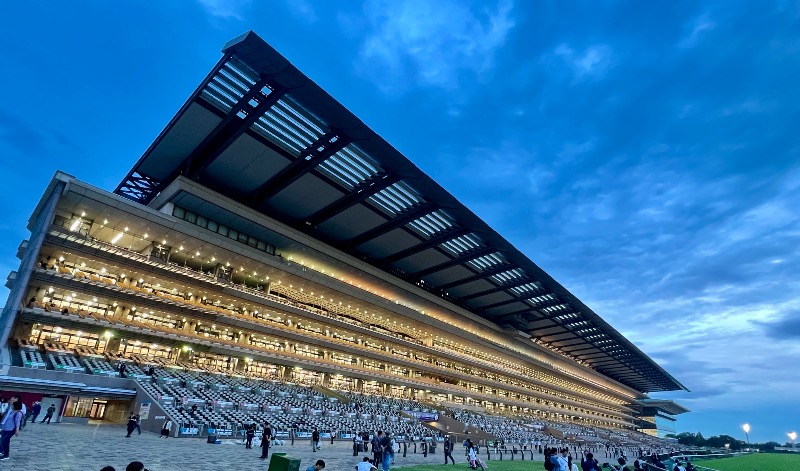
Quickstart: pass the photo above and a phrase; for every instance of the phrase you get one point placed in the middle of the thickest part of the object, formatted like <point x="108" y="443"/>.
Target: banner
<point x="189" y="431"/>
<point x="144" y="410"/>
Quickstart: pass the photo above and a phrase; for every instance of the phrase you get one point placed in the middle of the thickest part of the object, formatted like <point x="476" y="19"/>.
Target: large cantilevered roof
<point x="259" y="131"/>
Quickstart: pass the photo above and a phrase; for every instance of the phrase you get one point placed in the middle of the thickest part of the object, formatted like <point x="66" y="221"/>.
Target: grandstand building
<point x="268" y="237"/>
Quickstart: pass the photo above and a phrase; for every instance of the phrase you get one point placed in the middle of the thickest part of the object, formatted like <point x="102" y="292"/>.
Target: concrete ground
<point x="71" y="447"/>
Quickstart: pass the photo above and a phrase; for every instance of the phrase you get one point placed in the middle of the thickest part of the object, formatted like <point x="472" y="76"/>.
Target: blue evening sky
<point x="640" y="152"/>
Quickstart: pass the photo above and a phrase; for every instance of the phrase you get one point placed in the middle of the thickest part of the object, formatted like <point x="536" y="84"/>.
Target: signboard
<point x="189" y="431"/>
<point x="144" y="410"/>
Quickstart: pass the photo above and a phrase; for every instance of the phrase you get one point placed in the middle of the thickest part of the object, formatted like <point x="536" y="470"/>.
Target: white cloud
<point x="430" y="43"/>
<point x="226" y="9"/>
<point x="592" y="62"/>
<point x="697" y="29"/>
<point x="303" y="10"/>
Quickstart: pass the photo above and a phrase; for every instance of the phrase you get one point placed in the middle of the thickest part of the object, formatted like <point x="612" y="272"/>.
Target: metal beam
<point x="328" y="144"/>
<point x="504" y="287"/>
<point x="479" y="276"/>
<point x="399" y="221"/>
<point x="236" y="122"/>
<point x="358" y="194"/>
<point x="456" y="261"/>
<point x="527" y="297"/>
<point x="432" y="242"/>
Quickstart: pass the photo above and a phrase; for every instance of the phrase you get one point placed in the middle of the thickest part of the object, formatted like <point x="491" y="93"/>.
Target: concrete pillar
<point x="112" y="346"/>
<point x="23" y="330"/>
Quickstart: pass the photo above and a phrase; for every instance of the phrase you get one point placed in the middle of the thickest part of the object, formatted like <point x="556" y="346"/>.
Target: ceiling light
<point x="117" y="238"/>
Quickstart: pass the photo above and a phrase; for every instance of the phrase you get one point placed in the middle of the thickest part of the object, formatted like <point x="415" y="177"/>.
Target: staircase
<point x="457" y="429"/>
<point x="331" y="393"/>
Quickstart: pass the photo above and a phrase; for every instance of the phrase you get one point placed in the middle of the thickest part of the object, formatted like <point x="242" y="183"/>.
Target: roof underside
<point x="667" y="406"/>
<point x="259" y="131"/>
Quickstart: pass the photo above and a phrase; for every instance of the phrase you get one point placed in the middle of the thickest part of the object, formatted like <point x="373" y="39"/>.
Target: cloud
<point x="303" y="10"/>
<point x="592" y="62"/>
<point x="226" y="9"/>
<point x="697" y="29"/>
<point x="785" y="328"/>
<point x="417" y="42"/>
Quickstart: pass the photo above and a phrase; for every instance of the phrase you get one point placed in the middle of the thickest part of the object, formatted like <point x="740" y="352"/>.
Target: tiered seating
<point x="284" y="295"/>
<point x="99" y="366"/>
<point x="232" y="401"/>
<point x="31" y="358"/>
<point x="64" y="362"/>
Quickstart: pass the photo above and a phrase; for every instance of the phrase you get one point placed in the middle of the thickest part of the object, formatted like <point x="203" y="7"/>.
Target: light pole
<point x="746" y="428"/>
<point x="792" y="437"/>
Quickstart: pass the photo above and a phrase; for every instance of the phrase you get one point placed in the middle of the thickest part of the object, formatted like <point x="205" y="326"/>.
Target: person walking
<point x="49" y="414"/>
<point x="315" y="440"/>
<point x="131" y="424"/>
<point x="377" y="456"/>
<point x="355" y="444"/>
<point x="10" y="426"/>
<point x="448" y="450"/>
<point x="37" y="409"/>
<point x="138" y="423"/>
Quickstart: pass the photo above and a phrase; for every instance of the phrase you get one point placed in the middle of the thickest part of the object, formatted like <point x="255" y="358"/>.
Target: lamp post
<point x="792" y="437"/>
<point x="746" y="428"/>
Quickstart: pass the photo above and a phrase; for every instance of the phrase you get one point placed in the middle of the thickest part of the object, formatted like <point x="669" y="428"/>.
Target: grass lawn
<point x="755" y="462"/>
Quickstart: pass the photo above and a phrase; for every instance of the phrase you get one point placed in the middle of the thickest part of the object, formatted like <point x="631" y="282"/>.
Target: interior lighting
<point x="117" y="238"/>
<point x="105" y="221"/>
<point x="74" y="226"/>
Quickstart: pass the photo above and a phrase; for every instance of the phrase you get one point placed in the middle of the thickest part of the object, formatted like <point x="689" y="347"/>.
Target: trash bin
<point x="281" y="462"/>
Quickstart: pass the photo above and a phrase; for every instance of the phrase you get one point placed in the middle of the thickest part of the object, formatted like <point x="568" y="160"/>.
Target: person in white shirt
<point x="561" y="460"/>
<point x="366" y="465"/>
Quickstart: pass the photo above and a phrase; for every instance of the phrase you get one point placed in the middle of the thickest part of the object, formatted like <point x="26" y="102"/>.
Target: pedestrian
<point x="448" y="450"/>
<point x="318" y="466"/>
<point x="249" y="433"/>
<point x="49" y="414"/>
<point x="387" y="451"/>
<point x="37" y="409"/>
<point x="377" y="456"/>
<point x="266" y="436"/>
<point x="10" y="426"/>
<point x="355" y="444"/>
<point x="366" y="465"/>
<point x="166" y="428"/>
<point x="138" y="423"/>
<point x="3" y="407"/>
<point x="315" y="440"/>
<point x="131" y="424"/>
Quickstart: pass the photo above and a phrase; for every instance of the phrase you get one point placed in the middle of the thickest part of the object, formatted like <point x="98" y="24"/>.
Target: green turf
<point x="755" y="462"/>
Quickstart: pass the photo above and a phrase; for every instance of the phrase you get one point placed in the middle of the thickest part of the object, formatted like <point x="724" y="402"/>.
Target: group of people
<point x="13" y="418"/>
<point x="561" y="460"/>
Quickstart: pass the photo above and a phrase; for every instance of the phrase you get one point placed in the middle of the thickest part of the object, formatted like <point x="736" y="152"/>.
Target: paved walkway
<point x="70" y="447"/>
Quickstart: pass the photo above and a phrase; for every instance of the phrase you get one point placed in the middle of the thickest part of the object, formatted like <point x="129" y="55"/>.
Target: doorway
<point x="98" y="410"/>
